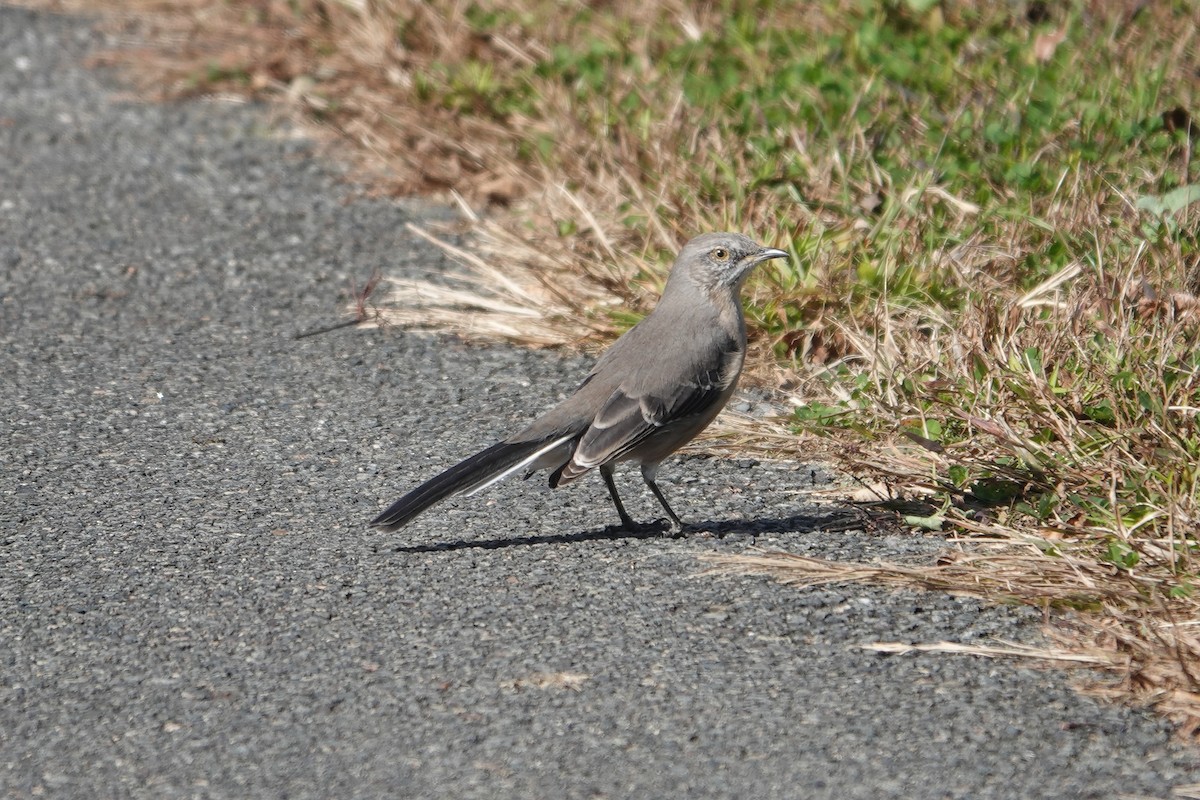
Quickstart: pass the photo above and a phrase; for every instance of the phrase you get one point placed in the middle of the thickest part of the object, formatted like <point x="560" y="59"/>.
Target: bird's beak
<point x="743" y="267"/>
<point x="767" y="253"/>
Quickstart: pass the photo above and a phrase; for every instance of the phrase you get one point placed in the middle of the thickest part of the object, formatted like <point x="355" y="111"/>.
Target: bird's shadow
<point x="849" y="518"/>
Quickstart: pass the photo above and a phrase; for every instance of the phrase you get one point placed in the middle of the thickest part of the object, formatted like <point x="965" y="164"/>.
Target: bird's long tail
<point x="474" y="474"/>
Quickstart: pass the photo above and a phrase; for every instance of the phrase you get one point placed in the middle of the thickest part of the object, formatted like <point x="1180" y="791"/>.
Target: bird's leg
<point x="648" y="473"/>
<point x="606" y="472"/>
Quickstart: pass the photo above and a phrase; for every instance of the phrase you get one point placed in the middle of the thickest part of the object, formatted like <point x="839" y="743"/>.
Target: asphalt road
<point x="191" y="604"/>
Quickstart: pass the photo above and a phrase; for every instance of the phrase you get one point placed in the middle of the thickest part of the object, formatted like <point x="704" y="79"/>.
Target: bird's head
<point x="716" y="261"/>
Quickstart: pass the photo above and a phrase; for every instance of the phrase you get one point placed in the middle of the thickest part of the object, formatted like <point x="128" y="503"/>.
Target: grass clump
<point x="993" y="304"/>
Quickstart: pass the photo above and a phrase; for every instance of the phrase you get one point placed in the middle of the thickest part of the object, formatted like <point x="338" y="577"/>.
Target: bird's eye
<point x="721" y="254"/>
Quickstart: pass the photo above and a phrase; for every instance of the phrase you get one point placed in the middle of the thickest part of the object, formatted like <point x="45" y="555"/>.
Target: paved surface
<point x="192" y="606"/>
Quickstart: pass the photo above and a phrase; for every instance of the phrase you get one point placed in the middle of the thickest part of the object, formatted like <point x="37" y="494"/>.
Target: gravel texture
<point x="191" y="604"/>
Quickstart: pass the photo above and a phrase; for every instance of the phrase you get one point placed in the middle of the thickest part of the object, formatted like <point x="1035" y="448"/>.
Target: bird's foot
<point x="628" y="524"/>
<point x="675" y="532"/>
<point x="671" y="529"/>
<point x="667" y="529"/>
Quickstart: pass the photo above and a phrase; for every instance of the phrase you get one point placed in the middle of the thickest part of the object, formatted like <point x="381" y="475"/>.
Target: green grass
<point x="830" y="136"/>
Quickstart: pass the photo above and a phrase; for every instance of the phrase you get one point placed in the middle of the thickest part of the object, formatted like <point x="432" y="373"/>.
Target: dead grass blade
<point x="485" y="302"/>
<point x="1002" y="572"/>
<point x="1001" y="650"/>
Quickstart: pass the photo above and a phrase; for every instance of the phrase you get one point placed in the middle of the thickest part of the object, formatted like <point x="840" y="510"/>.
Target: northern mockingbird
<point x="658" y="386"/>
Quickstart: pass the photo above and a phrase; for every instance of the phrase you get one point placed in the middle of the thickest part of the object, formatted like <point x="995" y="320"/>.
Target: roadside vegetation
<point x="993" y="313"/>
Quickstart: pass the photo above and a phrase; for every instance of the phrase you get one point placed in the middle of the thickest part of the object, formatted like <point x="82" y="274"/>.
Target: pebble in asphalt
<point x="191" y="604"/>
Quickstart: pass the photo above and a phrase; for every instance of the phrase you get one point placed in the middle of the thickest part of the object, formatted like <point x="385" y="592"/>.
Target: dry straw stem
<point x="484" y="302"/>
<point x="571" y="681"/>
<point x="737" y="434"/>
<point x="1000" y="650"/>
<point x="1002" y="572"/>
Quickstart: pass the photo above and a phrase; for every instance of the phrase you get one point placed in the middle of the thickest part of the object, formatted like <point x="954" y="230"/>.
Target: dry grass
<point x="993" y="307"/>
<point x="484" y="302"/>
<point x="571" y="681"/>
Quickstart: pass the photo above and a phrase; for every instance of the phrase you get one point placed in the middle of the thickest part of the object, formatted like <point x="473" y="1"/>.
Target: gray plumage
<point x="657" y="387"/>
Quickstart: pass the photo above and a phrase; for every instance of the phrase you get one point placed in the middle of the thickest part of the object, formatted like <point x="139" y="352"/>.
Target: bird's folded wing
<point x="626" y="420"/>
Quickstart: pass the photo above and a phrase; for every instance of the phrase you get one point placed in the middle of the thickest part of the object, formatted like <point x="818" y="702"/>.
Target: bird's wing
<point x="629" y="416"/>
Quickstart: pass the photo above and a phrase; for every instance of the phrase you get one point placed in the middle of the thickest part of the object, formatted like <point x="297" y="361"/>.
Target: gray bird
<point x="656" y="388"/>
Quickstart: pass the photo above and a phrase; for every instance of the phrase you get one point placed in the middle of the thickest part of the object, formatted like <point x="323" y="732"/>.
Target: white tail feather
<point x="520" y="464"/>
